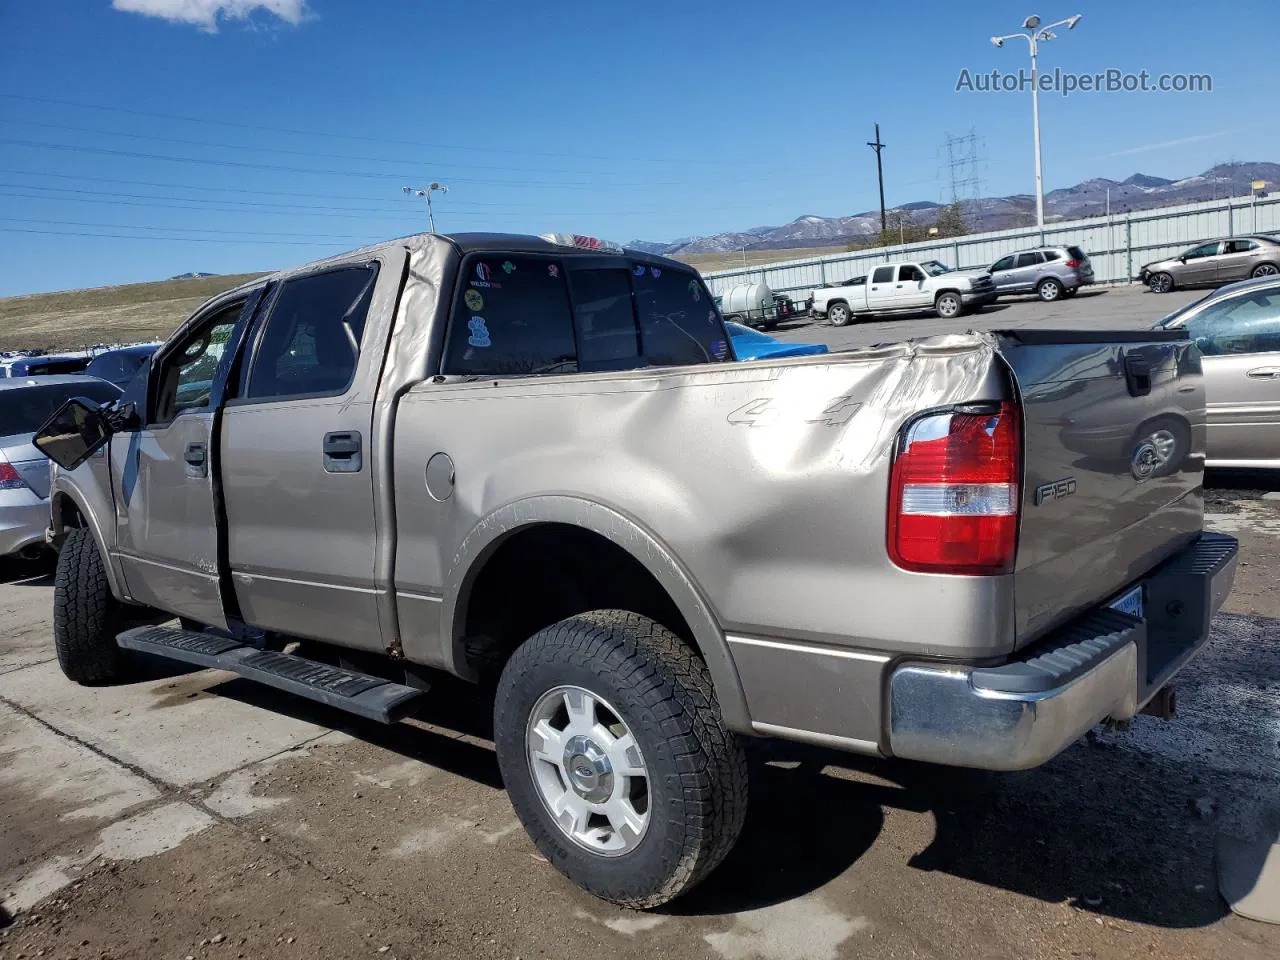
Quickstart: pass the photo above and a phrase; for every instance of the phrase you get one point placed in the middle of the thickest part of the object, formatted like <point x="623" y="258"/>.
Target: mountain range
<point x="1086" y="199"/>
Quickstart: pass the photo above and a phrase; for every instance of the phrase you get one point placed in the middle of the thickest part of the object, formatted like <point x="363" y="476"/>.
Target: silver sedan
<point x="25" y="404"/>
<point x="1237" y="329"/>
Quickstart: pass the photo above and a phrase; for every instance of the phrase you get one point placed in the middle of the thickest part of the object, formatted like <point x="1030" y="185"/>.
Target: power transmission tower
<point x="962" y="160"/>
<point x="877" y="146"/>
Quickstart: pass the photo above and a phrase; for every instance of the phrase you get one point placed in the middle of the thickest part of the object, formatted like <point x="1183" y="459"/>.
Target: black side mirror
<point x="75" y="433"/>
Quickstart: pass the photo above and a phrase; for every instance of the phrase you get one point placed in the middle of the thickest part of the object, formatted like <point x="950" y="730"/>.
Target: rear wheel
<point x="1049" y="290"/>
<point x="1160" y="283"/>
<point x="86" y="617"/>
<point x="618" y="764"/>
<point x="839" y="314"/>
<point x="1265" y="270"/>
<point x="948" y="305"/>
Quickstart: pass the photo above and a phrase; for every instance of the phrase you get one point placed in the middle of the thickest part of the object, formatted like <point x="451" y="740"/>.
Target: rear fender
<point x="627" y="534"/>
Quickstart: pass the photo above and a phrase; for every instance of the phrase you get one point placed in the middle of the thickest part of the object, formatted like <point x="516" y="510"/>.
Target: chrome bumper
<point x="1105" y="664"/>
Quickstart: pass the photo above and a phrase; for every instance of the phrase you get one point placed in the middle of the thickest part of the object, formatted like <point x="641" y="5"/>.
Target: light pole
<point x="426" y="192"/>
<point x="1036" y="35"/>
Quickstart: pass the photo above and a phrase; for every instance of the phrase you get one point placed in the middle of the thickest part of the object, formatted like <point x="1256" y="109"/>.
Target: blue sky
<point x="302" y="119"/>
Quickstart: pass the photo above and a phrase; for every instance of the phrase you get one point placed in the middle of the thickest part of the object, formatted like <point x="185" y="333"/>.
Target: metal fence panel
<point x="1118" y="246"/>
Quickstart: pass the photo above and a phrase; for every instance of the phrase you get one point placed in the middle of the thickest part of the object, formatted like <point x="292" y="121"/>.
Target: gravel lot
<point x="196" y="815"/>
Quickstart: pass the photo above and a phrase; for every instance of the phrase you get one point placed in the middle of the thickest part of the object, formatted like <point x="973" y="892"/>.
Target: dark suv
<point x="1048" y="272"/>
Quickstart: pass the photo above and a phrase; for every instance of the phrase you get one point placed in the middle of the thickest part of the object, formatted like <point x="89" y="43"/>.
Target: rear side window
<point x="882" y="275"/>
<point x="511" y="317"/>
<point x="311" y="342"/>
<point x="1051" y="255"/>
<point x="678" y="322"/>
<point x="608" y="338"/>
<point x="1030" y="259"/>
<point x="1076" y="253"/>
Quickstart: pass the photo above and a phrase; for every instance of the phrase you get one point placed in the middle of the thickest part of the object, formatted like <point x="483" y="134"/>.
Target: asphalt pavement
<point x="194" y="815"/>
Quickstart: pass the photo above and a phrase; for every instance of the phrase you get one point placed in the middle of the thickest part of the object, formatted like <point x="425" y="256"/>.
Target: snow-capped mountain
<point x="1086" y="199"/>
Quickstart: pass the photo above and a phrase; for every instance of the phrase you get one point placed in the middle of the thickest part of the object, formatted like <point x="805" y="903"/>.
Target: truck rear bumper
<point x="1107" y="663"/>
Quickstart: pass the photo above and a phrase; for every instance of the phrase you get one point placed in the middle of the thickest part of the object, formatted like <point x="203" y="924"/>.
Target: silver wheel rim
<point x="1165" y="443"/>
<point x="839" y="314"/>
<point x="588" y="770"/>
<point x="1266" y="270"/>
<point x="1049" y="291"/>
<point x="1160" y="284"/>
<point x="948" y="306"/>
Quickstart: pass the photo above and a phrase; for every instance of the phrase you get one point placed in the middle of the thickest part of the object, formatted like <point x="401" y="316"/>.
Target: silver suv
<point x="1048" y="272"/>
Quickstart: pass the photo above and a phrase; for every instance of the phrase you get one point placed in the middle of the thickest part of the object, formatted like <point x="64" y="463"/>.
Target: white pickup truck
<point x="902" y="287"/>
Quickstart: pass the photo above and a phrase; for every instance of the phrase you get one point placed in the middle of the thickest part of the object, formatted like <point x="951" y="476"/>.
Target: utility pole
<point x="426" y="192"/>
<point x="877" y="146"/>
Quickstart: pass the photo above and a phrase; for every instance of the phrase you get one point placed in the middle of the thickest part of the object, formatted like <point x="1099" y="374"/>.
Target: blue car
<point x="751" y="344"/>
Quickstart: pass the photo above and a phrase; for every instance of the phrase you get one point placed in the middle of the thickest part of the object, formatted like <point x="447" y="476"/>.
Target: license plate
<point x="1130" y="603"/>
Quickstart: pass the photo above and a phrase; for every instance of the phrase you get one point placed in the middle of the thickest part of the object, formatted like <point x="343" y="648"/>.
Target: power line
<point x="122" y="236"/>
<point x="258" y="148"/>
<point x="280" y="168"/>
<point x="134" y="226"/>
<point x="365" y="138"/>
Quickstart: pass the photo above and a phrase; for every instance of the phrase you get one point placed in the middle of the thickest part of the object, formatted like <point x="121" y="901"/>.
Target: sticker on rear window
<point x="553" y="271"/>
<point x="696" y="291"/>
<point x="656" y="272"/>
<point x="718" y="349"/>
<point x="479" y="333"/>
<point x="638" y="271"/>
<point x="508" y="267"/>
<point x="473" y="300"/>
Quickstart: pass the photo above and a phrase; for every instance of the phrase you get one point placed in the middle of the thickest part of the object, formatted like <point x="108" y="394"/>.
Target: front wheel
<point x="1160" y="283"/>
<point x="618" y="763"/>
<point x="949" y="305"/>
<point x="86" y="617"/>
<point x="839" y="314"/>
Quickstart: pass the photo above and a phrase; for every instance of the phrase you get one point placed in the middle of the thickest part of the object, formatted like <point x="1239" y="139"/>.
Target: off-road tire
<point x="86" y="617"/>
<point x="662" y="691"/>
<point x="839" y="314"/>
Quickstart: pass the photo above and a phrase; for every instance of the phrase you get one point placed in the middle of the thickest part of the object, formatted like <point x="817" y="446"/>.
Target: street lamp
<point x="426" y="192"/>
<point x="1034" y="38"/>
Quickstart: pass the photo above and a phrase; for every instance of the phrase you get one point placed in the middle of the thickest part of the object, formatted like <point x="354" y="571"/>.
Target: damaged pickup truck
<point x="534" y="463"/>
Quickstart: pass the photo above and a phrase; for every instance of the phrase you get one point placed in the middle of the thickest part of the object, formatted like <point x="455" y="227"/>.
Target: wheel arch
<point x="69" y="508"/>
<point x="626" y="534"/>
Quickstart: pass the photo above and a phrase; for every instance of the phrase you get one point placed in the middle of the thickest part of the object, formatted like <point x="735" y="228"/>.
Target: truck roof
<point x="464" y="243"/>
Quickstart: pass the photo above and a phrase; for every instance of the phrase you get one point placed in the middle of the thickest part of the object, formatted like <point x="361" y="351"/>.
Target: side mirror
<point x="72" y="435"/>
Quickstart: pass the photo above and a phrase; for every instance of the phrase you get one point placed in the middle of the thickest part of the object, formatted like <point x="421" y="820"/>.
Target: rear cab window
<point x="525" y="314"/>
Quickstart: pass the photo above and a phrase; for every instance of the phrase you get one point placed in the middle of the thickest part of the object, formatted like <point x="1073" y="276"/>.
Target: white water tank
<point x="749" y="303"/>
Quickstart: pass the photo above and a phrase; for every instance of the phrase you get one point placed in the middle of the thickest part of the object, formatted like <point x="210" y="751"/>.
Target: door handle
<point x="1264" y="373"/>
<point x="899" y="286"/>
<point x="342" y="452"/>
<point x="196" y="457"/>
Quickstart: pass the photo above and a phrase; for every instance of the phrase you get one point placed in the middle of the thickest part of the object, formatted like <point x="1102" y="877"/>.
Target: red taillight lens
<point x="953" y="500"/>
<point x="1075" y="263"/>
<point x="11" y="479"/>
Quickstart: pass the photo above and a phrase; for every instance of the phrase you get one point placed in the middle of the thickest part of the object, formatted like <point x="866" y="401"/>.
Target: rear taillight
<point x="1075" y="263"/>
<point x="11" y="479"/>
<point x="953" y="497"/>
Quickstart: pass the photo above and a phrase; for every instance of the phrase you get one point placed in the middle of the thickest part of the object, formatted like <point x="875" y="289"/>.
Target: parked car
<point x="25" y="404"/>
<point x="751" y="344"/>
<point x="1237" y="329"/>
<point x="905" y="287"/>
<point x="1048" y="272"/>
<point x="120" y="365"/>
<point x="1215" y="262"/>
<point x="48" y="365"/>
<point x="505" y="459"/>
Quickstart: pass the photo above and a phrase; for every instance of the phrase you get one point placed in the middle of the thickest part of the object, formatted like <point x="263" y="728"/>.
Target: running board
<point x="359" y="693"/>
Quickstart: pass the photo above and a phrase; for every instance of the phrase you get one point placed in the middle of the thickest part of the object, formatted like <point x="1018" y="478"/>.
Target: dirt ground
<point x="194" y="815"/>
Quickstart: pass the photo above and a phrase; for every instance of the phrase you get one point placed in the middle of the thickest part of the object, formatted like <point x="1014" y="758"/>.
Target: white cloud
<point x="205" y="14"/>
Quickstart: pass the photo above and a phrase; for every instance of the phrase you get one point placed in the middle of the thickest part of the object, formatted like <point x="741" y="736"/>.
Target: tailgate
<point x="1114" y="427"/>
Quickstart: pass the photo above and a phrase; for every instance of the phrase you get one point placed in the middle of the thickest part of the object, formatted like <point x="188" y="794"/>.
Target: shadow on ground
<point x="1109" y="826"/>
